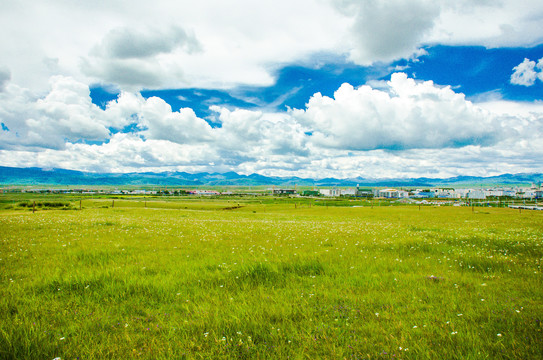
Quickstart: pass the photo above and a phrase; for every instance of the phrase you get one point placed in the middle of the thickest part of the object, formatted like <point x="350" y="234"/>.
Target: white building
<point x="462" y="193"/>
<point x="206" y="192"/>
<point x="529" y="193"/>
<point x="392" y="193"/>
<point x="476" y="194"/>
<point x="348" y="192"/>
<point x="330" y="192"/>
<point x="446" y="194"/>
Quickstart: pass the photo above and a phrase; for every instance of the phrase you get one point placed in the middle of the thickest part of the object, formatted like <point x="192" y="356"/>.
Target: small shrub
<point x="54" y="204"/>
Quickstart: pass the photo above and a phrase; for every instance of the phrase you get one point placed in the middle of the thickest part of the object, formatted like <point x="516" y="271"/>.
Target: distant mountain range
<point x="37" y="176"/>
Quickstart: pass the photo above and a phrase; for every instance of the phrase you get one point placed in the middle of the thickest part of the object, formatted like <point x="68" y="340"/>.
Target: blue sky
<point x="333" y="88"/>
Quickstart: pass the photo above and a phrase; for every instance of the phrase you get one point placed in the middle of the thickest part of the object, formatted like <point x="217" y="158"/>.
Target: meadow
<point x="267" y="279"/>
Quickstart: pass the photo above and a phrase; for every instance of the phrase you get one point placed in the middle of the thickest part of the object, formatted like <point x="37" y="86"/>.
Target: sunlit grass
<point x="214" y="279"/>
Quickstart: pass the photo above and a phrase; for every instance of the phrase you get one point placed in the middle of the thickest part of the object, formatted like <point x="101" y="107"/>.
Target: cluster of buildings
<point x="535" y="191"/>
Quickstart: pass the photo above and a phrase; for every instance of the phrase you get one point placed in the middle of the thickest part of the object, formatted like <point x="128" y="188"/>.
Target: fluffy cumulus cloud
<point x="123" y="152"/>
<point x="527" y="72"/>
<point x="404" y="115"/>
<point x="183" y="126"/>
<point x="65" y="114"/>
<point x="400" y="127"/>
<point x="260" y="134"/>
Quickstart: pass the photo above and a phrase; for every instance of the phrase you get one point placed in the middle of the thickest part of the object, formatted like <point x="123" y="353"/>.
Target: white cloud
<point x="126" y="43"/>
<point x="5" y="76"/>
<point x="524" y="73"/>
<point x="122" y="153"/>
<point x="389" y="29"/>
<point x="51" y="52"/>
<point x="124" y="110"/>
<point x="506" y="23"/>
<point x="260" y="134"/>
<point x="405" y="115"/>
<point x="397" y="128"/>
<point x="130" y="152"/>
<point x="132" y="74"/>
<point x="65" y="114"/>
<point x="182" y="126"/>
<point x="393" y="29"/>
<point x="135" y="58"/>
<point x="164" y="44"/>
<point x="502" y="107"/>
<point x="154" y="119"/>
<point x="219" y="44"/>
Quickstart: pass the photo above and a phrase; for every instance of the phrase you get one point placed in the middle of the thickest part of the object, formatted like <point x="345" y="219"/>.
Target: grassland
<point x="263" y="279"/>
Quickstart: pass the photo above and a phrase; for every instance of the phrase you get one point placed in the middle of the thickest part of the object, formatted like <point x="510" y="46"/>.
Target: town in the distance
<point x="437" y="195"/>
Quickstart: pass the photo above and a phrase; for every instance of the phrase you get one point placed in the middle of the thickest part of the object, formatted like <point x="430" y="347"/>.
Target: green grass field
<point x="273" y="279"/>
